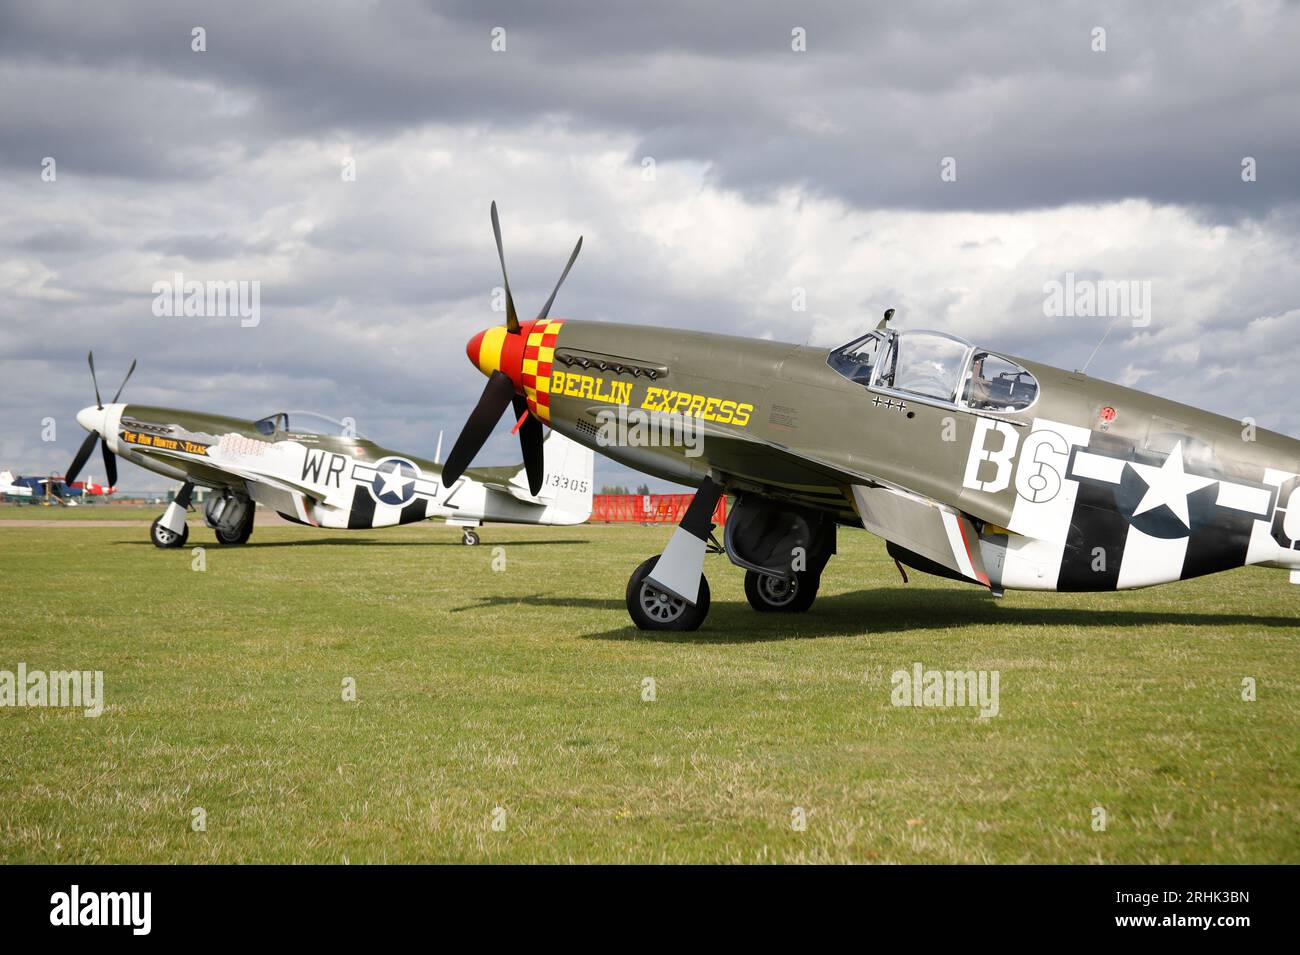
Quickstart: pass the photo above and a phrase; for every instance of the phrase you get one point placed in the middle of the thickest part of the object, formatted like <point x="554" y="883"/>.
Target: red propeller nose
<point x="495" y="349"/>
<point x="522" y="352"/>
<point x="474" y="348"/>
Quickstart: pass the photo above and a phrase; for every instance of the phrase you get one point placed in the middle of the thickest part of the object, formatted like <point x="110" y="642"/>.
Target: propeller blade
<point x="530" y="442"/>
<point x="123" y="384"/>
<point x="83" y="453"/>
<point x="110" y="463"/>
<point x="512" y="317"/>
<point x="546" y="309"/>
<point x="90" y="357"/>
<point x="494" y="400"/>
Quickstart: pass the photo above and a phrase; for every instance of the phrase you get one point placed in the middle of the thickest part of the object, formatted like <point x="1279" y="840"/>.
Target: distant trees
<point x="620" y="489"/>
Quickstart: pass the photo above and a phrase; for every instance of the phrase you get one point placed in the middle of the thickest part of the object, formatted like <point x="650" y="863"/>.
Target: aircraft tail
<point x="568" y="476"/>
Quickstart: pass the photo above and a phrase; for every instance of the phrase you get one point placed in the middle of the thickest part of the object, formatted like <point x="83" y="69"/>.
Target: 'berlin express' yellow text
<point x="707" y="407"/>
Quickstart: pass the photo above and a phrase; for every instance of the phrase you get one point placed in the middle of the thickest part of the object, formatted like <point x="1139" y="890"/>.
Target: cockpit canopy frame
<point x="935" y="368"/>
<point x="306" y="422"/>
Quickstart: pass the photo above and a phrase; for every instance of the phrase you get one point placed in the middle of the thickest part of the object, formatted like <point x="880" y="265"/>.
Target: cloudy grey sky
<point x="774" y="169"/>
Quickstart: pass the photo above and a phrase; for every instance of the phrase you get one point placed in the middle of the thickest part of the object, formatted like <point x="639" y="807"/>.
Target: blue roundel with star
<point x="394" y="481"/>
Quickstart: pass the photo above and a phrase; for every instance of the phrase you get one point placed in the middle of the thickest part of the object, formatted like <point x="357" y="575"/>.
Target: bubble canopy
<point x="307" y="422"/>
<point x="937" y="368"/>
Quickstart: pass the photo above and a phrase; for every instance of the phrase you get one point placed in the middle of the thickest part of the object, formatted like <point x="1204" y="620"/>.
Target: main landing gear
<point x="770" y="594"/>
<point x="165" y="537"/>
<point x="783" y="549"/>
<point x="170" y="530"/>
<point x="230" y="517"/>
<point x="653" y="608"/>
<point x="669" y="592"/>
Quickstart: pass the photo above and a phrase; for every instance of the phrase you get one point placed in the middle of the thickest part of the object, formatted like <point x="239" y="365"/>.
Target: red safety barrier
<point x="648" y="508"/>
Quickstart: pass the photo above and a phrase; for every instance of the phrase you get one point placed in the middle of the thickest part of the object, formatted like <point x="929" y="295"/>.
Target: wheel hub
<point x="777" y="591"/>
<point x="661" y="606"/>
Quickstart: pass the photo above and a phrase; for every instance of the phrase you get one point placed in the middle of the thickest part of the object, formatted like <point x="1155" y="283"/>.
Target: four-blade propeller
<point x="83" y="453"/>
<point x="501" y="393"/>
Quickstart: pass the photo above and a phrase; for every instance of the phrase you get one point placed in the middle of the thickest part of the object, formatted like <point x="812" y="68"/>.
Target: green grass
<point x="522" y="689"/>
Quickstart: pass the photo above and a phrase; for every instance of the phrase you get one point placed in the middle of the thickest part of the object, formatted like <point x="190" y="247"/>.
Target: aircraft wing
<point x="937" y="532"/>
<point x="280" y="495"/>
<point x="784" y="473"/>
<point x="201" y="472"/>
<point x="925" y="527"/>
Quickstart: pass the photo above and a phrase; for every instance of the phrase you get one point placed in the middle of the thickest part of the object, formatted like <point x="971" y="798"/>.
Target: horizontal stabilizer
<point x="568" y="476"/>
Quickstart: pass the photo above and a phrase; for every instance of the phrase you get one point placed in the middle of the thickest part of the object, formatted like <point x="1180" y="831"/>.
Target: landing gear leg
<point x="670" y="592"/>
<point x="170" y="530"/>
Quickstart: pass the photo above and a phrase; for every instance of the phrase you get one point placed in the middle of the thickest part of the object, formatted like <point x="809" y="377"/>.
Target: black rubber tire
<point x="761" y="591"/>
<point x="676" y="614"/>
<point x="165" y="539"/>
<point x="241" y="534"/>
<point x="470" y="538"/>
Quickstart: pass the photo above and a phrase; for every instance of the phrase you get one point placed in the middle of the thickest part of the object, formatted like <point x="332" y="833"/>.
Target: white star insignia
<point x="395" y="482"/>
<point x="1169" y="485"/>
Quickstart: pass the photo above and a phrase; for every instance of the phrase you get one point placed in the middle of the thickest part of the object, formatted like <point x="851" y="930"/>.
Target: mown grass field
<point x="522" y="689"/>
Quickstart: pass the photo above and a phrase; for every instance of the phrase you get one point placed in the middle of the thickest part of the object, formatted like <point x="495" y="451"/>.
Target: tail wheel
<point x="241" y="533"/>
<point x="162" y="537"/>
<point x="470" y="538"/>
<point x="769" y="594"/>
<point x="653" y="609"/>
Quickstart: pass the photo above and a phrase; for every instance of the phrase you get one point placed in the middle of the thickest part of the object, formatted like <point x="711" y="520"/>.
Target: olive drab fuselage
<point x="1092" y="486"/>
